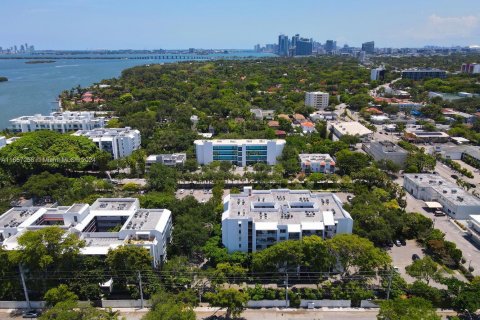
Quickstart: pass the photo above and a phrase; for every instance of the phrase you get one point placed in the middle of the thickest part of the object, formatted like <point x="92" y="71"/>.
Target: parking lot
<point x="402" y="257"/>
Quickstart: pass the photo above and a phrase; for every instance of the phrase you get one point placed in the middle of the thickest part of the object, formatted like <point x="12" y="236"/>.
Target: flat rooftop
<point x="147" y="219"/>
<point x="239" y="141"/>
<point x="444" y="188"/>
<point x="16" y="216"/>
<point x="285" y="206"/>
<point x="352" y="128"/>
<point x="315" y="157"/>
<point x="116" y="204"/>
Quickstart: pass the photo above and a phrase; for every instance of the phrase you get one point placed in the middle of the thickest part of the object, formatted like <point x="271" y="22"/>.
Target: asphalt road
<point x="266" y="314"/>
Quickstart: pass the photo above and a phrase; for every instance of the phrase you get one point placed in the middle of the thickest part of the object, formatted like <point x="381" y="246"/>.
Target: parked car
<point x="439" y="213"/>
<point x="390" y="244"/>
<point x="398" y="243"/>
<point x="454" y="176"/>
<point x="182" y="191"/>
<point x="31" y="314"/>
<point x="205" y="191"/>
<point x="415" y="257"/>
<point x="403" y="242"/>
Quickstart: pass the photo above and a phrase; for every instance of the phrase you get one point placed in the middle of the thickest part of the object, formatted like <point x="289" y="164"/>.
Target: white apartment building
<point x="316" y="99"/>
<point x="240" y="152"/>
<point x="106" y="224"/>
<point x="317" y="162"/>
<point x="58" y="121"/>
<point x="119" y="142"/>
<point x="257" y="219"/>
<point x="456" y="202"/>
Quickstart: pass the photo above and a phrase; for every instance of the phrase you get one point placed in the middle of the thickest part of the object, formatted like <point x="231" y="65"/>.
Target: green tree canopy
<point x="407" y="309"/>
<point x="231" y="299"/>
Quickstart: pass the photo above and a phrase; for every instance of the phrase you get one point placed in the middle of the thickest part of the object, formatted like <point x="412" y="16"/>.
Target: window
<point x="239" y="245"/>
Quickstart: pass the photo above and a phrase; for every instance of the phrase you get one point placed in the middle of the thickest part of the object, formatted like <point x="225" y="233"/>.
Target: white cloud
<point x="447" y="28"/>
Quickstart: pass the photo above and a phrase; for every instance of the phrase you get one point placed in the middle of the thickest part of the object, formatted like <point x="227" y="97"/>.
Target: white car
<point x="182" y="191"/>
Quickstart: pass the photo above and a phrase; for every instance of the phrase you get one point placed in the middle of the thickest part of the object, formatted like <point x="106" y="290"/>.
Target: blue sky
<point x="170" y="24"/>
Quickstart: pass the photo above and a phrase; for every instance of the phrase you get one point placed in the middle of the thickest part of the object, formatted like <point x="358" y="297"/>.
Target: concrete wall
<point x="124" y="303"/>
<point x="21" y="304"/>
<point x="105" y="304"/>
<point x="326" y="303"/>
<point x="368" y="304"/>
<point x="267" y="304"/>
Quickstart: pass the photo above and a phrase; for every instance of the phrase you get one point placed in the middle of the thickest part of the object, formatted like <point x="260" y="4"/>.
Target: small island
<point x="3" y="79"/>
<point x="39" y="61"/>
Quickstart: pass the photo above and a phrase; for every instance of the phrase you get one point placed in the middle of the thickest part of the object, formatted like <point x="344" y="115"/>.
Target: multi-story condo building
<point x="368" y="47"/>
<point x="317" y="162"/>
<point x="386" y="150"/>
<point x="119" y="142"/>
<point x="377" y="74"/>
<point x="257" y="219"/>
<point x="420" y="74"/>
<point x="104" y="225"/>
<point x="283" y="45"/>
<point x="301" y="46"/>
<point x="316" y="99"/>
<point x="470" y="68"/>
<point x="330" y="46"/>
<point x="240" y="152"/>
<point x="58" y="121"/>
<point x="456" y="202"/>
<point x="171" y="160"/>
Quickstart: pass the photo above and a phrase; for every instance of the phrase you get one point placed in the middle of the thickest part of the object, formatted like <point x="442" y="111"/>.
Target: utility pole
<point x="141" y="289"/>
<point x="389" y="283"/>
<point x="286" y="289"/>
<point x="25" y="291"/>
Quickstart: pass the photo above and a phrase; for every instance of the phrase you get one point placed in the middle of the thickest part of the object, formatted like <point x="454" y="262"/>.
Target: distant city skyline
<point x="121" y="24"/>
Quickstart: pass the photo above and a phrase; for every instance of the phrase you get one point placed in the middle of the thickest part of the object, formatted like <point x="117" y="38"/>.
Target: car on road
<point x="31" y="314"/>
<point x="191" y="191"/>
<point x="454" y="176"/>
<point x="182" y="191"/>
<point x="415" y="257"/>
<point x="398" y="243"/>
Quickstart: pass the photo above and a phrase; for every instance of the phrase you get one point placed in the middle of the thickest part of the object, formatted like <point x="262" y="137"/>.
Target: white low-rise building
<point x="456" y="202"/>
<point x="58" y="121"/>
<point x="3" y="142"/>
<point x="119" y="142"/>
<point x="352" y="128"/>
<point x="261" y="114"/>
<point x="317" y="162"/>
<point x="106" y="224"/>
<point x="240" y="152"/>
<point x="171" y="160"/>
<point x="474" y="228"/>
<point x="386" y="150"/>
<point x="316" y="99"/>
<point x="257" y="219"/>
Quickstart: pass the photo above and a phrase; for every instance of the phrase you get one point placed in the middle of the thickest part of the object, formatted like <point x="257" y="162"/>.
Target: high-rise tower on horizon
<point x="283" y="45"/>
